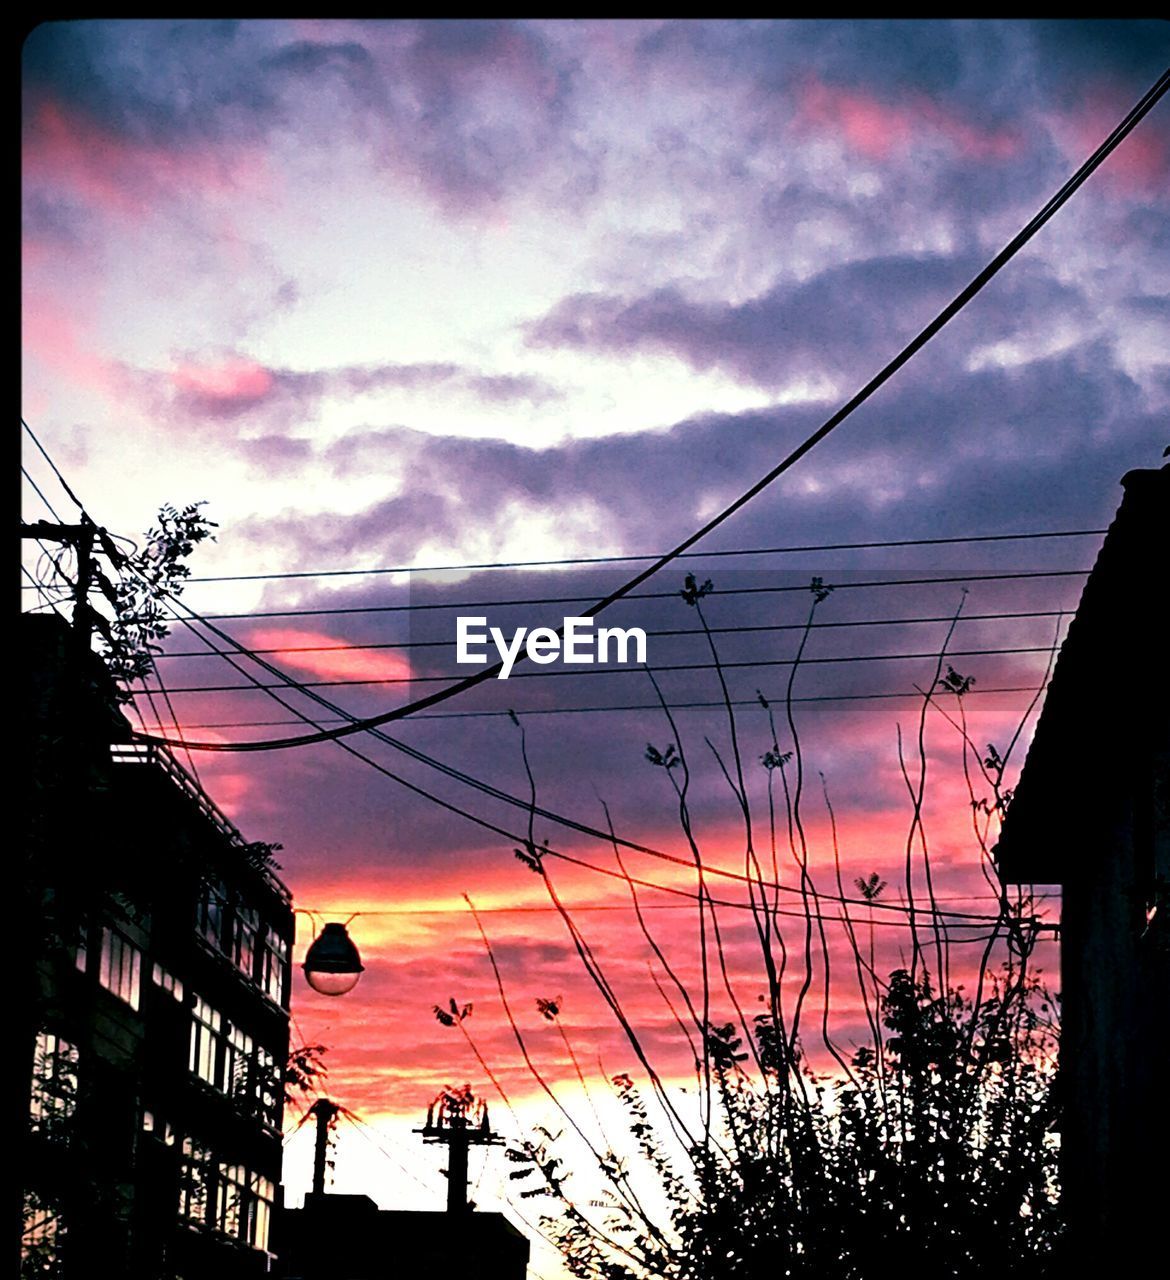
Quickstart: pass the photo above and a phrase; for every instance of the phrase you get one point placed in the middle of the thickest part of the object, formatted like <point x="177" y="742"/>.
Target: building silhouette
<point x="153" y="976"/>
<point x="347" y="1237"/>
<point x="1092" y="814"/>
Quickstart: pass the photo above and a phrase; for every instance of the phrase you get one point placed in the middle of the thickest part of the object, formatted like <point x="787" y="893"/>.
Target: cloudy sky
<point x="411" y="294"/>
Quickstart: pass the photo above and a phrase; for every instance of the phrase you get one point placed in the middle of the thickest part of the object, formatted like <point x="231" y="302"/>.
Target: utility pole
<point x="458" y="1121"/>
<point x="325" y="1112"/>
<point x="52" y="775"/>
<point x="81" y="537"/>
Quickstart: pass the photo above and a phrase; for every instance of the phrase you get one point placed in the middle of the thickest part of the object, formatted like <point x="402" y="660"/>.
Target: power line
<point x="950" y="916"/>
<point x="545" y="600"/>
<point x="346" y="647"/>
<point x="634" y="559"/>
<point x="558" y="673"/>
<point x="367" y="1133"/>
<point x="945" y="918"/>
<point x="47" y="601"/>
<point x="875" y="583"/>
<point x="45" y="588"/>
<point x="456" y="774"/>
<point x="53" y="466"/>
<point x="37" y="490"/>
<point x="459" y="775"/>
<point x="546" y="908"/>
<point x="1026" y="233"/>
<point x="146" y="690"/>
<point x="641" y="706"/>
<point x="171" y="712"/>
<point x="499" y="794"/>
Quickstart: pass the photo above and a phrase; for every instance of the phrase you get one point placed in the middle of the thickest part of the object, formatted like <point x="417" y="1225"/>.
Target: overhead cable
<point x="1005" y="255"/>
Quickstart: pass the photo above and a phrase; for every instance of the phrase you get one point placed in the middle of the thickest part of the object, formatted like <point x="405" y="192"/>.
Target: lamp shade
<point x="332" y="964"/>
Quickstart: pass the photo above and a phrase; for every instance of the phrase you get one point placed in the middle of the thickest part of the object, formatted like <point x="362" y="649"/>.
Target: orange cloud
<point x="388" y="1053"/>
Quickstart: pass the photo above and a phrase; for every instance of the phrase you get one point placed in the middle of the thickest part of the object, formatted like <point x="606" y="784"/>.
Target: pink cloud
<point x="233" y="791"/>
<point x="236" y="381"/>
<point x="52" y="335"/>
<point x="875" y="128"/>
<point x="34" y="253"/>
<point x="328" y="657"/>
<point x="63" y="147"/>
<point x="1140" y="165"/>
<point x="238" y="794"/>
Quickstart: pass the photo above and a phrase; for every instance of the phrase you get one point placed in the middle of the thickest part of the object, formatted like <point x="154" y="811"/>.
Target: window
<point x="223" y="1197"/>
<point x="121" y="967"/>
<point x="157" y="1128"/>
<point x="268" y="1091"/>
<point x="211" y="915"/>
<point x="237" y="1063"/>
<point x="259" y="1212"/>
<point x="227" y="1058"/>
<point x="53" y="1096"/>
<point x="231" y="1195"/>
<point x="167" y="981"/>
<point x="206" y="1025"/>
<point x="247" y="933"/>
<point x="40" y="1242"/>
<point x="273" y="966"/>
<point x="194" y="1183"/>
<point x="244" y="1205"/>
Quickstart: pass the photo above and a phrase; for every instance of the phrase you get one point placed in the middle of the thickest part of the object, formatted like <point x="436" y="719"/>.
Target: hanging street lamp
<point x="332" y="964"/>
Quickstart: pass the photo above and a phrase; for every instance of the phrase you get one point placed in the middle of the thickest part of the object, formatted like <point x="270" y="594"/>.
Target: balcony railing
<point x="148" y="753"/>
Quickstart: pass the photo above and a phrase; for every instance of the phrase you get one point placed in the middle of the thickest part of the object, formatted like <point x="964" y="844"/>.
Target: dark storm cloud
<point x="880" y="53"/>
<point x="961" y="119"/>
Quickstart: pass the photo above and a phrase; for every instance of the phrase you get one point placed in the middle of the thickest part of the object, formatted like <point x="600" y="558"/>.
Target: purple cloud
<point x="228" y="386"/>
<point x="837" y="323"/>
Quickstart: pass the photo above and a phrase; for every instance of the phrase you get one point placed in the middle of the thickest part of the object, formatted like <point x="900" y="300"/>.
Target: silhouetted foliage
<point x="930" y="1150"/>
<point x="148" y="575"/>
<point x="304" y="1070"/>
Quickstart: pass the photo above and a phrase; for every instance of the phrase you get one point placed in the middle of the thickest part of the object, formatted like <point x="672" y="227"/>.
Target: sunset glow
<point x="396" y="295"/>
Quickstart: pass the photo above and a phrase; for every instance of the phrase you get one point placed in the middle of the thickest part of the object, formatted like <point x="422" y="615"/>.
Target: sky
<point x="407" y="294"/>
